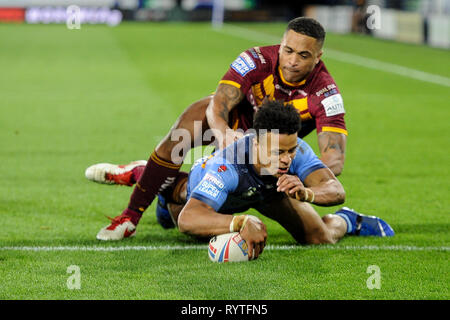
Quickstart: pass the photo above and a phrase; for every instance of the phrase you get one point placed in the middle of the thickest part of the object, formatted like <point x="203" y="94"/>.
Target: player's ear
<point x="319" y="56"/>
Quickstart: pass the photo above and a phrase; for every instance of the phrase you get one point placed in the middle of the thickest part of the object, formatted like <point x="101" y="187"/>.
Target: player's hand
<point x="255" y="235"/>
<point x="294" y="188"/>
<point x="290" y="185"/>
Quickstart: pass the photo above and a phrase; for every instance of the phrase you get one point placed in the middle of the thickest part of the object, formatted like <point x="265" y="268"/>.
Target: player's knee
<point x="320" y="236"/>
<point x="321" y="240"/>
<point x="328" y="218"/>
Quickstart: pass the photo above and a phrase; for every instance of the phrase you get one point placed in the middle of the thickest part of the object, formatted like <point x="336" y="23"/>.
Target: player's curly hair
<point x="275" y="115"/>
<point x="308" y="27"/>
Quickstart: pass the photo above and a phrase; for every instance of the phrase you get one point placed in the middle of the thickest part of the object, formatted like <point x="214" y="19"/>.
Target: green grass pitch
<point x="71" y="98"/>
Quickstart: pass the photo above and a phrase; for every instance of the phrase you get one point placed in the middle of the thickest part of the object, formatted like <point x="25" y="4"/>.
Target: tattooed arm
<point x="332" y="150"/>
<point x="224" y="100"/>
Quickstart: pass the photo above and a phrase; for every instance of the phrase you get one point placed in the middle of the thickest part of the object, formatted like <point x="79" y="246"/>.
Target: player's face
<point x="298" y="55"/>
<point x="275" y="153"/>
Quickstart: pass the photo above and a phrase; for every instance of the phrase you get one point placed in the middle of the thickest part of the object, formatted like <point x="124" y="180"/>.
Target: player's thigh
<point x="187" y="130"/>
<point x="298" y="218"/>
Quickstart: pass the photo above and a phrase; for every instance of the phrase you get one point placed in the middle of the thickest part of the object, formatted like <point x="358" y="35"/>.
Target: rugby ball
<point x="228" y="247"/>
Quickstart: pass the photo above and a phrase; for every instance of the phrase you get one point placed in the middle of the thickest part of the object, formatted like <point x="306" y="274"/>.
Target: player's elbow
<point x="340" y="196"/>
<point x="188" y="222"/>
<point x="336" y="194"/>
<point x="184" y="224"/>
<point x="333" y="194"/>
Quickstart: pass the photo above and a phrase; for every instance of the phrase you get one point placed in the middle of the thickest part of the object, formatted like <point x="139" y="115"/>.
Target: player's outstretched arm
<point x="198" y="218"/>
<point x="217" y="114"/>
<point x="332" y="150"/>
<point x="328" y="191"/>
<point x="321" y="187"/>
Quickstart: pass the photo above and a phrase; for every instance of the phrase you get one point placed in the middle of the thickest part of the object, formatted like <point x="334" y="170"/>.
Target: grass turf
<point x="71" y="98"/>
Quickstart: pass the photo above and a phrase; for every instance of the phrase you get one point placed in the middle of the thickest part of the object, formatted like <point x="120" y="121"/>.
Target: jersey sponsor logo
<point x="248" y="60"/>
<point x="215" y="180"/>
<point x="326" y="89"/>
<point x="211" y="185"/>
<point x="243" y="64"/>
<point x="333" y="105"/>
<point x="261" y="57"/>
<point x="254" y="54"/>
<point x="209" y="188"/>
<point x="330" y="93"/>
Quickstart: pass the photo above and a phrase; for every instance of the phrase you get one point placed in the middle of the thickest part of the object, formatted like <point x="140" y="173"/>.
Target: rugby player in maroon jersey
<point x="291" y="72"/>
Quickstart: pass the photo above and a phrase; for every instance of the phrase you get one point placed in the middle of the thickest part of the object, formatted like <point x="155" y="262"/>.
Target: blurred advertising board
<point x="16" y="15"/>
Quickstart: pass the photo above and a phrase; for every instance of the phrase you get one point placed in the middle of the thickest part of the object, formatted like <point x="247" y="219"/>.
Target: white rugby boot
<point x="108" y="173"/>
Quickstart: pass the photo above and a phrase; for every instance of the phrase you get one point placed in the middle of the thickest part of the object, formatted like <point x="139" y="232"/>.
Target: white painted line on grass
<point x="359" y="248"/>
<point x="204" y="247"/>
<point x="341" y="56"/>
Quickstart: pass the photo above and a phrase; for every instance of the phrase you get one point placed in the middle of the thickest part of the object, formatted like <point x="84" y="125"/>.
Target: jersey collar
<point x="292" y="84"/>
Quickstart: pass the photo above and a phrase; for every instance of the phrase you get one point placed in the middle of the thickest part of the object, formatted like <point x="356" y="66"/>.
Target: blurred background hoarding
<point x="410" y="21"/>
